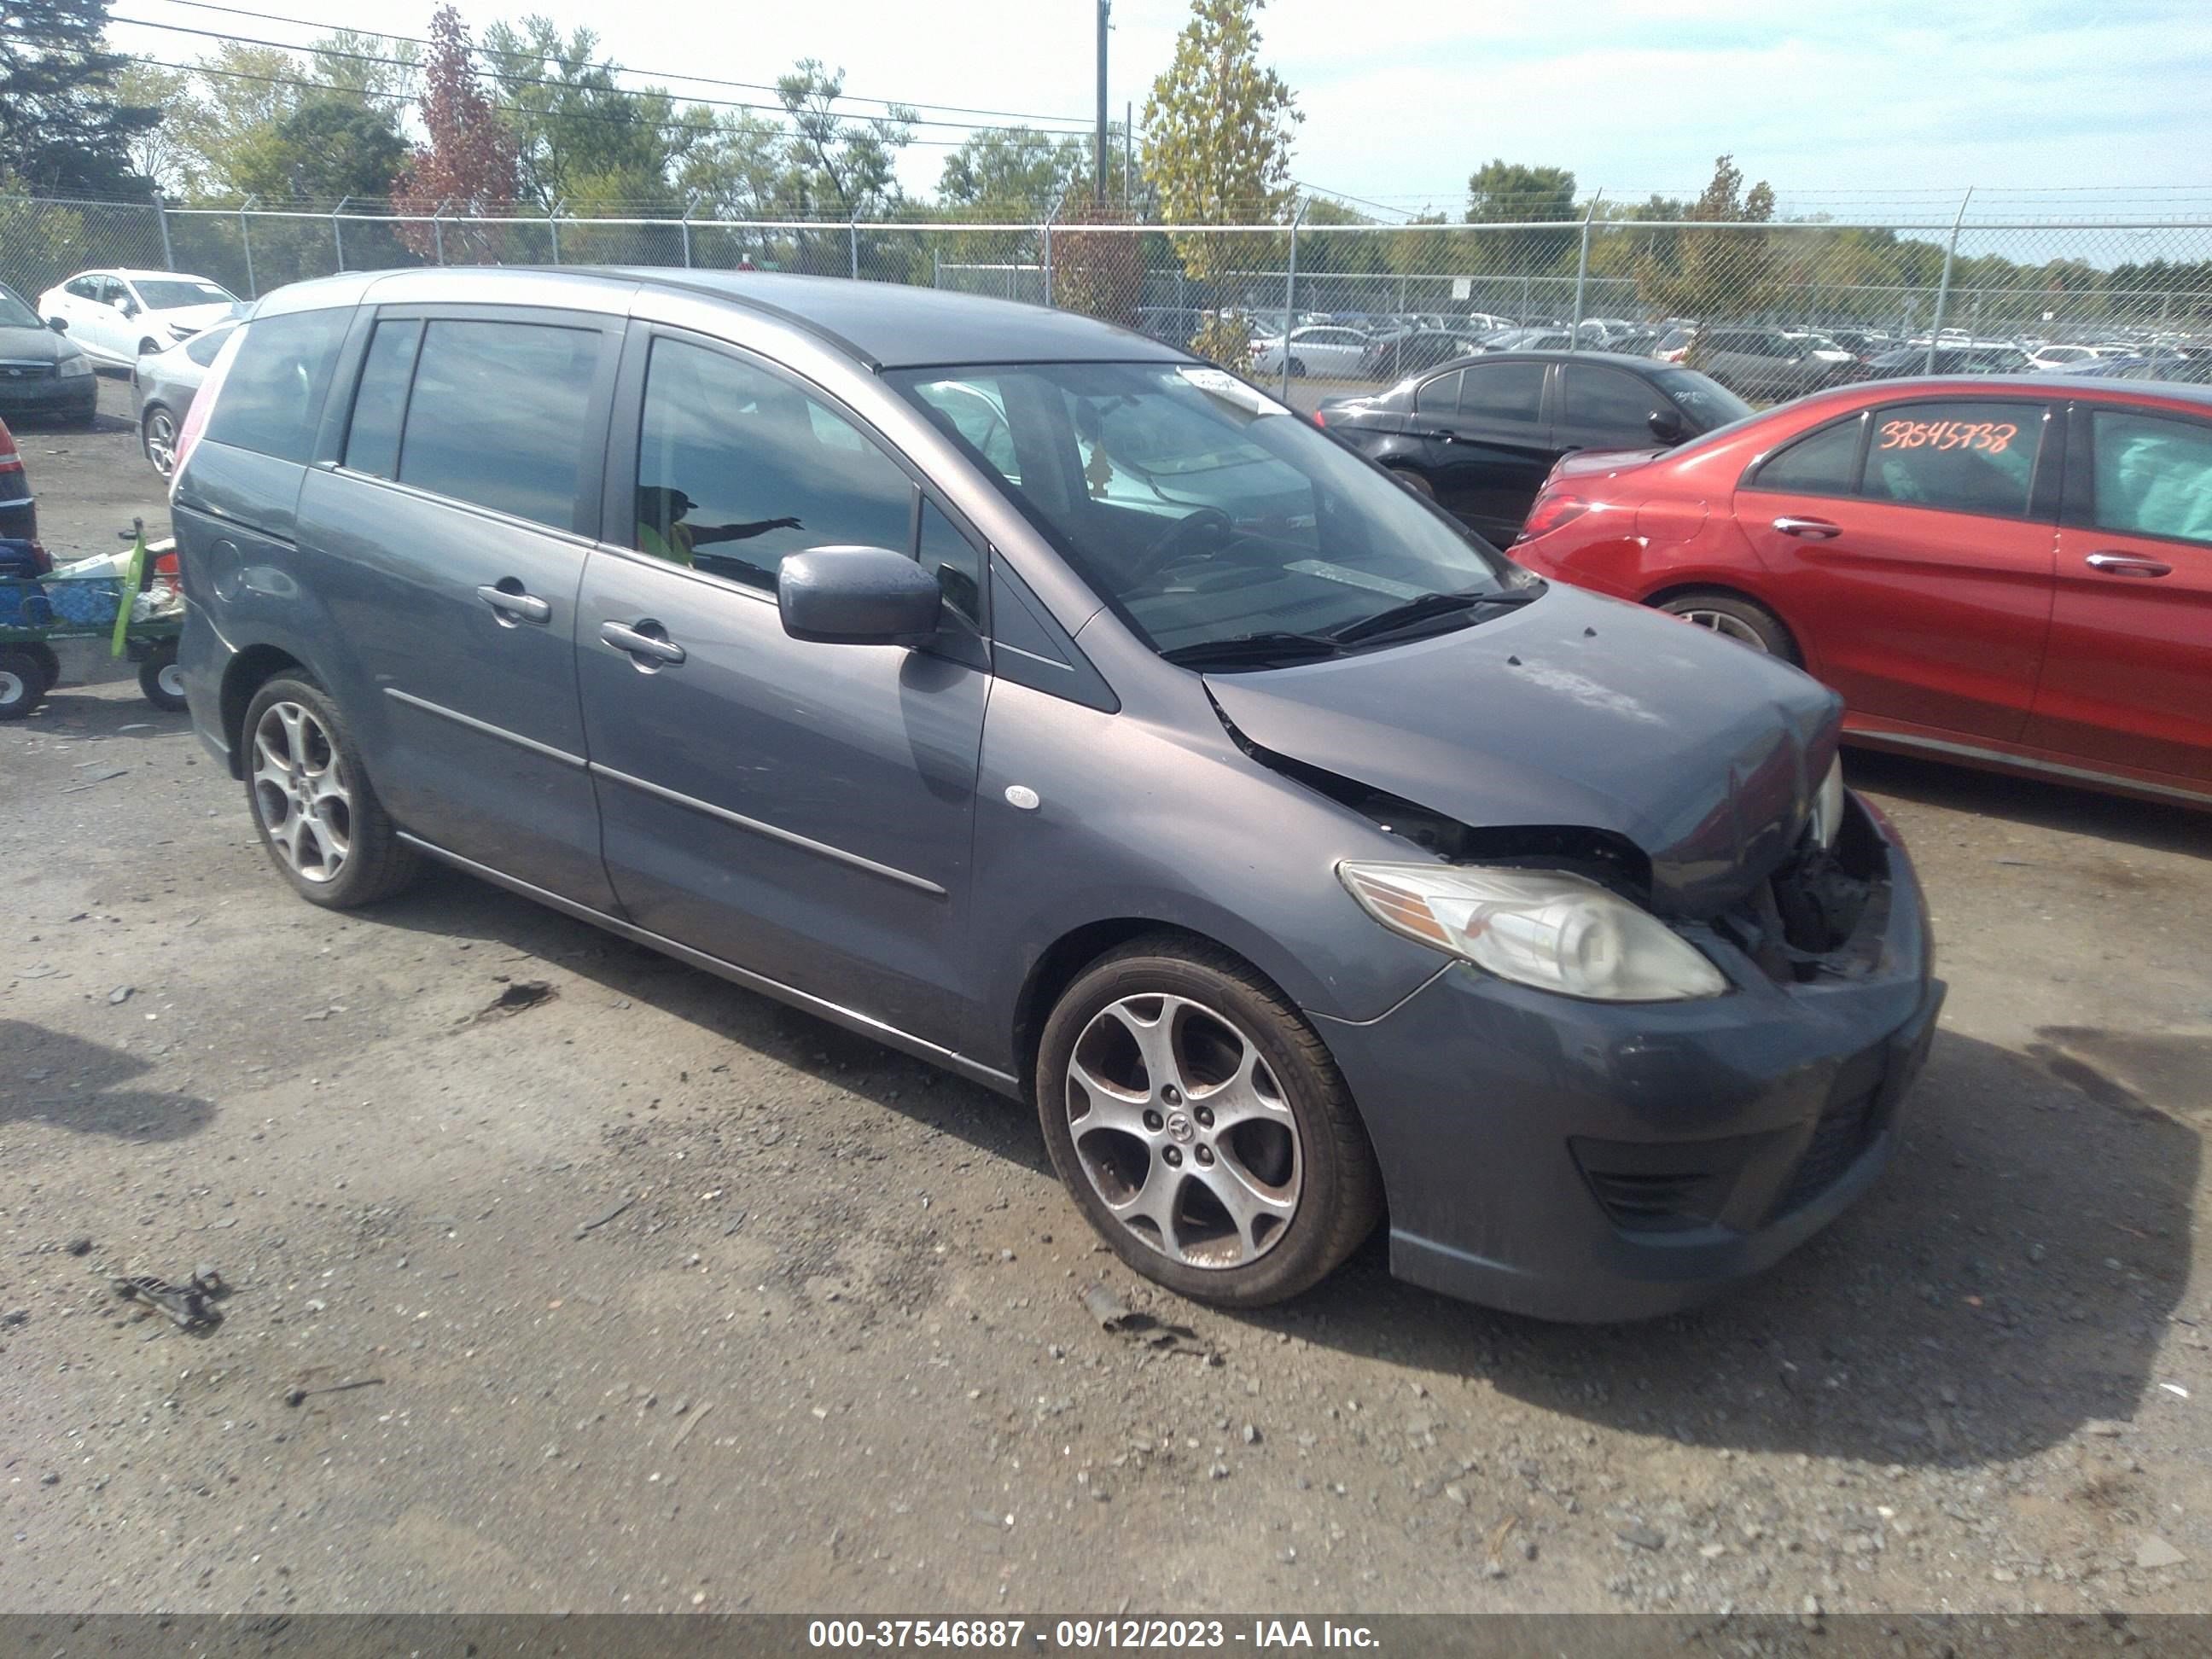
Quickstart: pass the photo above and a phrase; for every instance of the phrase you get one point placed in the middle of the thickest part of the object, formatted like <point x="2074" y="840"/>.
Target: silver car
<point x="162" y="386"/>
<point x="1048" y="704"/>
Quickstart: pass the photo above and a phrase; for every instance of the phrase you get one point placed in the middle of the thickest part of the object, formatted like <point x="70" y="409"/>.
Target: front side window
<point x="1966" y="456"/>
<point x="2152" y="477"/>
<point x="498" y="417"/>
<point x="273" y="395"/>
<point x="85" y="288"/>
<point x="738" y="467"/>
<point x="1203" y="511"/>
<point x="1608" y="398"/>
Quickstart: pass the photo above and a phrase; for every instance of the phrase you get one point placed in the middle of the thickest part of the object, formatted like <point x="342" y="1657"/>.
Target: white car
<point x="2058" y="357"/>
<point x="119" y="316"/>
<point x="1327" y="350"/>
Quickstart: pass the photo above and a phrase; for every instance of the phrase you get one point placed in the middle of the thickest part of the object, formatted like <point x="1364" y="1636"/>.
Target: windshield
<point x="169" y="294"/>
<point x="1701" y="395"/>
<point x="13" y="313"/>
<point x="1199" y="509"/>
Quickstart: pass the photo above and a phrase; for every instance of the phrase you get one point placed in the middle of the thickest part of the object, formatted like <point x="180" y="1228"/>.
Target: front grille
<point x="1837" y="1140"/>
<point x="17" y="372"/>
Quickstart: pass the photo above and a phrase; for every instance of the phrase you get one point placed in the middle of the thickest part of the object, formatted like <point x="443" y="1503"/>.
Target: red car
<point x="2011" y="572"/>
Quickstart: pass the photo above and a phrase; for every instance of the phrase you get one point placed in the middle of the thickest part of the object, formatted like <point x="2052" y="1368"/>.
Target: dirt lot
<point x="672" y="1298"/>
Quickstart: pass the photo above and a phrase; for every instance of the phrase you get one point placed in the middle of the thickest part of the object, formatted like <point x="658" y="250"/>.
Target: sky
<point x="1882" y="104"/>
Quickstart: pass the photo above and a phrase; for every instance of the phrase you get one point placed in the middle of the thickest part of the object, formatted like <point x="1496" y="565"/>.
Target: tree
<point x="1017" y="174"/>
<point x="840" y="168"/>
<point x="64" y="128"/>
<point x="1100" y="273"/>
<point x="1216" y="148"/>
<point x="1711" y="274"/>
<point x="469" y="159"/>
<point x="161" y="151"/>
<point x="580" y="137"/>
<point x="1502" y="193"/>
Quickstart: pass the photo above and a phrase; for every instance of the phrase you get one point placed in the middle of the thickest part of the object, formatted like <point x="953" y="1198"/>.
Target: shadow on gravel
<point x="458" y="906"/>
<point x="53" y="1078"/>
<point x="2009" y="1278"/>
<point x="1999" y="797"/>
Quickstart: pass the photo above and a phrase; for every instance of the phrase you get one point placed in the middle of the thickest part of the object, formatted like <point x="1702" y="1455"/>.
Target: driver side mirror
<point x="1666" y="426"/>
<point x="858" y="596"/>
<point x="126" y="305"/>
<point x="59" y="324"/>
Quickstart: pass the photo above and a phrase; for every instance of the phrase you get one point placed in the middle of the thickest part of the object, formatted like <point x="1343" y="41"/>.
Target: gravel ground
<point x="663" y="1297"/>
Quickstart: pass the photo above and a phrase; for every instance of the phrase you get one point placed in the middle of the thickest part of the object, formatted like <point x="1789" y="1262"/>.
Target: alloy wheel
<point x="1184" y="1131"/>
<point x="161" y="442"/>
<point x="1731" y="627"/>
<point x="301" y="791"/>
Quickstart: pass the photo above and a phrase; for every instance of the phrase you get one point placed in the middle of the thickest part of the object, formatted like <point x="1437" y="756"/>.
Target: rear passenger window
<point x="1439" y="395"/>
<point x="1503" y="392"/>
<point x="1825" y="463"/>
<point x="738" y="467"/>
<point x="372" y="438"/>
<point x="1970" y="457"/>
<point x="498" y="417"/>
<point x="273" y="395"/>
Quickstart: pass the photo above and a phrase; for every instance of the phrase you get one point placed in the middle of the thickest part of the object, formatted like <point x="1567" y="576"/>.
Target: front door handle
<point x="2127" y="564"/>
<point x="1817" y="529"/>
<point x="513" y="603"/>
<point x="647" y="640"/>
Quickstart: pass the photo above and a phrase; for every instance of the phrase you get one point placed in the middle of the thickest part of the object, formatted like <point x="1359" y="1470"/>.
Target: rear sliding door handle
<point x="1819" y="530"/>
<point x="647" y="640"/>
<point x="512" y="603"/>
<point x="2127" y="564"/>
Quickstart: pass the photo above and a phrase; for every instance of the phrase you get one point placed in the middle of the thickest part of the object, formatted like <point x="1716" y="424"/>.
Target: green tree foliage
<point x="1100" y="273"/>
<point x="582" y="137"/>
<point x="1217" y="128"/>
<point x="1017" y="174"/>
<point x="1502" y="193"/>
<point x="1716" y="273"/>
<point x="64" y="128"/>
<point x="837" y="165"/>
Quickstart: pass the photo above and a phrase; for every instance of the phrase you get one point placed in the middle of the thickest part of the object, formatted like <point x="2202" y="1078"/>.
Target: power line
<point x="665" y="74"/>
<point x="510" y="78"/>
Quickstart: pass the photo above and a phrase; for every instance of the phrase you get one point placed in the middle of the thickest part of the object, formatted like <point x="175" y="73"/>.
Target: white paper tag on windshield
<point x="1350" y="578"/>
<point x="1220" y="383"/>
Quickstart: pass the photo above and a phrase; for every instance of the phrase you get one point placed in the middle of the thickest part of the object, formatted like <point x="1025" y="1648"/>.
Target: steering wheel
<point x="1171" y="547"/>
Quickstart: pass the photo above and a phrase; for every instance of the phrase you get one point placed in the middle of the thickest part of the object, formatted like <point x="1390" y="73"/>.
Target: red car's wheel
<point x="1739" y="619"/>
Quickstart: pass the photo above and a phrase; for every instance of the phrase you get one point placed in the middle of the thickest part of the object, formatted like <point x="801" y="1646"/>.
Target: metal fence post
<point x="936" y="268"/>
<point x="1291" y="295"/>
<point x="1943" y="288"/>
<point x="1581" y="274"/>
<point x="852" y="230"/>
<point x="690" y="205"/>
<point x="1051" y="214"/>
<point x="338" y="235"/>
<point x="162" y="216"/>
<point x="553" y="228"/>
<point x="438" y="229"/>
<point x="245" y="238"/>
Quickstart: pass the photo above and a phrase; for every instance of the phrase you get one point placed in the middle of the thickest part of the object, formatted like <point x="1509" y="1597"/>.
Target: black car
<point x="1478" y="436"/>
<point x="43" y="375"/>
<point x="1410" y="350"/>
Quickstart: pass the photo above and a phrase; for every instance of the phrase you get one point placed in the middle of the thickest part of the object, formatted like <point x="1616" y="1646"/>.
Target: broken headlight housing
<point x="1539" y="927"/>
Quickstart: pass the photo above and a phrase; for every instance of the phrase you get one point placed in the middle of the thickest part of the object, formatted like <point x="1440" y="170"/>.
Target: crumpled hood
<point x="1576" y="710"/>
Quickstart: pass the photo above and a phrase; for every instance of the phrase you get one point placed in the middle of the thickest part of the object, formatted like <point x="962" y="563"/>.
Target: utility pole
<point x="1128" y="154"/>
<point x="1098" y="150"/>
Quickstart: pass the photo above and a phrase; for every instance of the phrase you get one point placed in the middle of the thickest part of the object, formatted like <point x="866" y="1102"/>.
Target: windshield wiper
<point x="1253" y="651"/>
<point x="1429" y="606"/>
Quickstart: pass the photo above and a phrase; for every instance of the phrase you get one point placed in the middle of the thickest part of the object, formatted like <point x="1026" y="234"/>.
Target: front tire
<point x="159" y="434"/>
<point x="1297" y="369"/>
<point x="1745" y="621"/>
<point x="1202" y="1127"/>
<point x="316" y="812"/>
<point x="1416" y="482"/>
<point x="24" y="681"/>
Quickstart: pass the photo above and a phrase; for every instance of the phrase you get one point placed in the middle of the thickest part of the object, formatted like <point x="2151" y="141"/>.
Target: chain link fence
<point x="1767" y="308"/>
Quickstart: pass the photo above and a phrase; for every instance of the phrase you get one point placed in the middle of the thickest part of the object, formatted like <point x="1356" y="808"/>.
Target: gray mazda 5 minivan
<point x="1044" y="702"/>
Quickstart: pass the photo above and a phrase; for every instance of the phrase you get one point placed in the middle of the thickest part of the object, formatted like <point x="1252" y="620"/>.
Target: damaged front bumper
<point x="1589" y="1161"/>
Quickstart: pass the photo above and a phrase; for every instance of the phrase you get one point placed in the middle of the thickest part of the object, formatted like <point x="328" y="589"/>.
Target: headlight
<point x="1828" y="805"/>
<point x="1541" y="927"/>
<point x="74" y="368"/>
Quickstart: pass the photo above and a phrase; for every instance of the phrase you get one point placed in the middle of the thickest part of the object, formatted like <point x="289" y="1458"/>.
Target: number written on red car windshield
<point x="1992" y="436"/>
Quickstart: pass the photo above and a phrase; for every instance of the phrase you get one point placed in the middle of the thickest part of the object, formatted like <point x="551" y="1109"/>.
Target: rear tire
<point x="159" y="681"/>
<point x="313" y="807"/>
<point x="24" y="681"/>
<point x="1733" y="616"/>
<point x="1297" y="369"/>
<point x="1201" y="1125"/>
